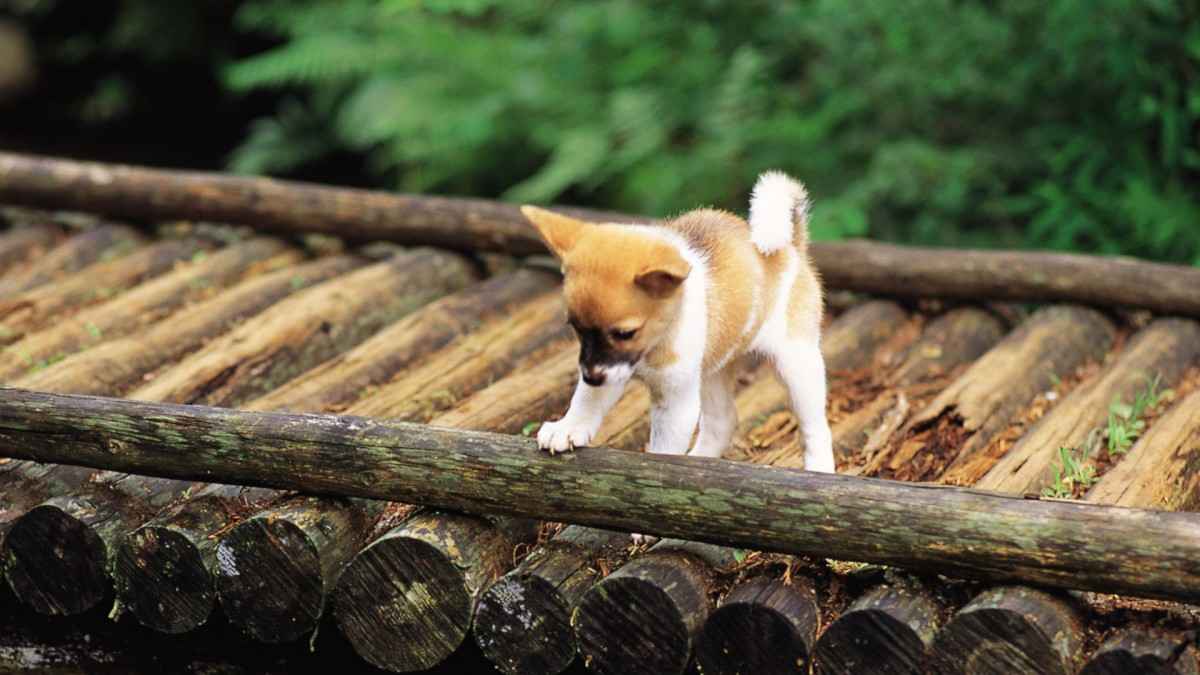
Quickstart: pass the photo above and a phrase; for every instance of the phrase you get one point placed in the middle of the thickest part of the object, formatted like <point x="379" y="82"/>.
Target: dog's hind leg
<point x="718" y="416"/>
<point x="801" y="367"/>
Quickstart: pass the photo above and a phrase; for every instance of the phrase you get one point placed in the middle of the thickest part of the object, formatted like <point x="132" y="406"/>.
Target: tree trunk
<point x="25" y="243"/>
<point x="646" y="616"/>
<point x="479" y="225"/>
<point x="144" y="305"/>
<point x="1011" y="630"/>
<point x="952" y="436"/>
<point x="764" y="626"/>
<point x="76" y="253"/>
<point x="886" y="630"/>
<point x="1165" y="348"/>
<point x="116" y="366"/>
<point x="35" y="309"/>
<point x="523" y="621"/>
<point x="952" y="531"/>
<point x="1147" y="652"/>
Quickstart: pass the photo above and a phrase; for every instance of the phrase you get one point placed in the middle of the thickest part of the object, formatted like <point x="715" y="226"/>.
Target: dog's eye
<point x="622" y="335"/>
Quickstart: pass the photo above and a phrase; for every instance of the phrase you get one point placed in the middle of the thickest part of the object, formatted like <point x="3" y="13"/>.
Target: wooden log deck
<point x="934" y="389"/>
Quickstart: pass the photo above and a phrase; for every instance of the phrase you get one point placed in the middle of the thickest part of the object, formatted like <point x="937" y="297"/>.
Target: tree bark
<point x="28" y="242"/>
<point x="763" y="626"/>
<point x="145" y="304"/>
<point x="74" y="254"/>
<point x="668" y="589"/>
<point x="523" y="621"/>
<point x="1147" y="652"/>
<point x="950" y="439"/>
<point x="1010" y="630"/>
<point x="952" y="531"/>
<point x="886" y="630"/>
<point x="35" y="309"/>
<point x="1165" y="348"/>
<point x="480" y="225"/>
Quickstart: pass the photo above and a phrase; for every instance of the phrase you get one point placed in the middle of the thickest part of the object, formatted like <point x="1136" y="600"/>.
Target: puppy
<point x="676" y="304"/>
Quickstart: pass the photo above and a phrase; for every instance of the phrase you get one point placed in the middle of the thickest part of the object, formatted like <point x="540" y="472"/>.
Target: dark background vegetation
<point x="1064" y="124"/>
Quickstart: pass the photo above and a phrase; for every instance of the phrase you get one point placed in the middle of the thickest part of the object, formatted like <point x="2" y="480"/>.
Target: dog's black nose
<point x="592" y="376"/>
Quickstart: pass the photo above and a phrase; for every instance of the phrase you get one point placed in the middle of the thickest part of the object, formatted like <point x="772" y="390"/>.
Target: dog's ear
<point x="660" y="278"/>
<point x="558" y="231"/>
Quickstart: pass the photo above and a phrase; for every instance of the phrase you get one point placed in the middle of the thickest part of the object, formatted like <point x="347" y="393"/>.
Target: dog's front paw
<point x="562" y="436"/>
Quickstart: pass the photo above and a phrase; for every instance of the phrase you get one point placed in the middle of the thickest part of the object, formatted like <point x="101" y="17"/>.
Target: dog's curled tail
<point x="778" y="213"/>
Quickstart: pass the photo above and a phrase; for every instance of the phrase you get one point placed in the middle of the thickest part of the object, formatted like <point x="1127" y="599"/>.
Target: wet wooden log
<point x="144" y="304"/>
<point x="886" y="630"/>
<point x="1161" y="470"/>
<point x="669" y="590"/>
<point x="303" y="331"/>
<point x="405" y="602"/>
<point x="1147" y="652"/>
<point x="343" y="379"/>
<point x="950" y="438"/>
<point x="1164" y="349"/>
<point x="763" y="626"/>
<point x="480" y="225"/>
<point x="1011" y="630"/>
<point x="930" y="529"/>
<point x="22" y="243"/>
<point x="106" y="241"/>
<point x="523" y="621"/>
<point x="37" y="308"/>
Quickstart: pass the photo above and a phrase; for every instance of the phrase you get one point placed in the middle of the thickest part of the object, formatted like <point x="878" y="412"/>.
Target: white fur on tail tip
<point x="778" y="212"/>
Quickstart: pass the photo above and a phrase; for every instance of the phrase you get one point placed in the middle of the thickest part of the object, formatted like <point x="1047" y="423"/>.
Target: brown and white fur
<point x="677" y="304"/>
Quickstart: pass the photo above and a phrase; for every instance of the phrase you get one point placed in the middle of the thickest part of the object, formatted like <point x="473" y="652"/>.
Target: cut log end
<point x="523" y="626"/>
<point x="764" y="627"/>
<point x="55" y="563"/>
<point x="161" y="577"/>
<point x="271" y="582"/>
<point x="1147" y="652"/>
<point x="887" y="630"/>
<point x="628" y="625"/>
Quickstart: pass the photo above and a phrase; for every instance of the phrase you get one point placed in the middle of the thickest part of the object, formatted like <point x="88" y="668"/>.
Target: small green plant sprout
<point x="530" y="428"/>
<point x="1126" y="420"/>
<point x="93" y="330"/>
<point x="1072" y="471"/>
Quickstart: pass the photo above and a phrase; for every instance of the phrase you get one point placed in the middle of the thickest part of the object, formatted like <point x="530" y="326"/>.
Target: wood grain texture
<point x="764" y="626"/>
<point x="1145" y="651"/>
<point x="103" y="242"/>
<point x="886" y="630"/>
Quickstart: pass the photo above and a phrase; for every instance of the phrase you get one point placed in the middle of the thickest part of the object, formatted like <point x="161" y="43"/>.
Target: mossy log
<point x="103" y="242"/>
<point x="645" y="617"/>
<point x="886" y="630"/>
<point x="116" y="366"/>
<point x="149" y="302"/>
<point x="1165" y="349"/>
<point x="1162" y="469"/>
<point x="37" y="308"/>
<point x="1010" y="629"/>
<point x="523" y="621"/>
<point x="1147" y="652"/>
<point x="950" y="438"/>
<point x="24" y="243"/>
<point x="929" y="529"/>
<point x="405" y="602"/>
<point x="764" y="626"/>
<point x="301" y="332"/>
<point x="342" y="379"/>
<point x="480" y="225"/>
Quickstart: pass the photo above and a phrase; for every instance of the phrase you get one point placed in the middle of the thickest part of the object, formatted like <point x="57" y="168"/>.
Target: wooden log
<point x="1165" y="349"/>
<point x="930" y="529"/>
<point x="480" y="225"/>
<point x="763" y="626"/>
<point x="23" y="243"/>
<point x="405" y="602"/>
<point x="116" y="366"/>
<point x="950" y="437"/>
<point x="101" y="242"/>
<point x="116" y="503"/>
<point x="523" y="621"/>
<point x="1010" y="630"/>
<point x="950" y="341"/>
<point x="37" y="308"/>
<point x="1145" y="651"/>
<point x="342" y="379"/>
<point x="1161" y="470"/>
<point x="886" y="630"/>
<point x="669" y="590"/>
<point x="143" y="305"/>
<point x="301" y="332"/>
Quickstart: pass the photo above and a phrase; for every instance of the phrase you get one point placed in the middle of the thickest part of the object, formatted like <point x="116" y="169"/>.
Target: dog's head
<point x="622" y="288"/>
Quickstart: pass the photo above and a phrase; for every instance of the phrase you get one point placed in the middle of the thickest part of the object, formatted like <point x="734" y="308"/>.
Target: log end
<point x="523" y="626"/>
<point x="1145" y="651"/>
<point x="403" y="604"/>
<point x="55" y="563"/>
<point x="628" y="625"/>
<point x="161" y="577"/>
<point x="269" y="580"/>
<point x="869" y="641"/>
<point x="746" y="636"/>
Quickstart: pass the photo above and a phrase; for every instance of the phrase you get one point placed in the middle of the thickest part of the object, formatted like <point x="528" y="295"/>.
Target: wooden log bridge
<point x="952" y="531"/>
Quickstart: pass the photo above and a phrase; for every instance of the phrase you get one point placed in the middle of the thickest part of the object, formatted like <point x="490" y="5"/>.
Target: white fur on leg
<point x="586" y="413"/>
<point x="718" y="416"/>
<point x="778" y="208"/>
<point x="802" y="369"/>
<point x="673" y="417"/>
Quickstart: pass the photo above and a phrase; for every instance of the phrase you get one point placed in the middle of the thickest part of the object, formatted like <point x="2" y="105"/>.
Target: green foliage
<point x="1125" y="420"/>
<point x="1068" y="124"/>
<point x="1072" y="472"/>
